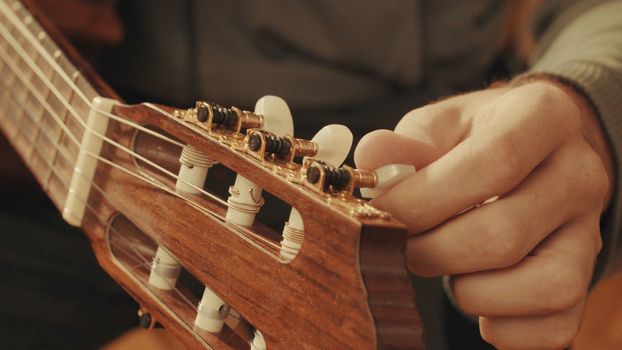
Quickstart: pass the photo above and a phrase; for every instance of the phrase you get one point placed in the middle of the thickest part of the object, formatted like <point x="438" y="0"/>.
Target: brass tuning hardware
<point x="264" y="145"/>
<point x="328" y="179"/>
<point x="209" y="115"/>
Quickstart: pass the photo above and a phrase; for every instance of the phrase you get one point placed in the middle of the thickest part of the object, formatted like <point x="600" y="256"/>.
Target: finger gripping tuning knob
<point x="386" y="177"/>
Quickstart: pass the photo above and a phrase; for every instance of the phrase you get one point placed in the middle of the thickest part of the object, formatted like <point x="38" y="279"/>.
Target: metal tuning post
<point x="333" y="144"/>
<point x="209" y="116"/>
<point x="265" y="145"/>
<point x="324" y="178"/>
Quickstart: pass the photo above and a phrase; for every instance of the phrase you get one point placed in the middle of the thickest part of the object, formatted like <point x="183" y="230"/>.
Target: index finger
<point x="512" y="136"/>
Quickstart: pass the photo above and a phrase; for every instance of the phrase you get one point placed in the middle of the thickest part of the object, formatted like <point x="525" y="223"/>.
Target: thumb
<point x="421" y="137"/>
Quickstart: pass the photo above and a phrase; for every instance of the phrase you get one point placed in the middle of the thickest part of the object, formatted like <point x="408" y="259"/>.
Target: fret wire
<point x="38" y="122"/>
<point x="37" y="95"/>
<point x="146" y="262"/>
<point x="130" y="246"/>
<point x="52" y="139"/>
<point x="60" y="138"/>
<point x="142" y="178"/>
<point x="194" y="204"/>
<point x="54" y="64"/>
<point x="22" y="98"/>
<point x="115" y="144"/>
<point x="36" y="69"/>
<point x="12" y="16"/>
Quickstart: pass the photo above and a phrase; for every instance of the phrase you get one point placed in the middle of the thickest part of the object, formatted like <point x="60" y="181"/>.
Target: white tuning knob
<point x="386" y="177"/>
<point x="333" y="144"/>
<point x="277" y="117"/>
<point x="245" y="197"/>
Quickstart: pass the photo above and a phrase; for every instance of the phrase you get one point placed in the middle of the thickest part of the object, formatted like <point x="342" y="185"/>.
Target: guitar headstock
<point x="331" y="276"/>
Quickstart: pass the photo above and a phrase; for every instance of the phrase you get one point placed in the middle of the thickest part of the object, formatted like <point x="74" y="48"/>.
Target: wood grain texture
<point x="320" y="299"/>
<point x="347" y="288"/>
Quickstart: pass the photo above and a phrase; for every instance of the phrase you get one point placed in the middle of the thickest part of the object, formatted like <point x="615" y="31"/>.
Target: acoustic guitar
<point x="132" y="177"/>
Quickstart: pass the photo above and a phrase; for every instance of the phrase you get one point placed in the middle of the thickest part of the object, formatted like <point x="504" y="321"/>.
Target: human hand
<point x="522" y="262"/>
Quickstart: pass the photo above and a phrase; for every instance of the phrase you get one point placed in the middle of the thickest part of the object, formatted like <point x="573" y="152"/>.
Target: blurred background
<point x="55" y="296"/>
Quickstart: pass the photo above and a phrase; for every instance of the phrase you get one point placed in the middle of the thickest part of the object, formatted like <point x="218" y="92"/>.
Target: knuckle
<point x="597" y="175"/>
<point x="562" y="333"/>
<point x="562" y="112"/>
<point x="507" y="159"/>
<point x="467" y="297"/>
<point x="501" y="242"/>
<point x="415" y="116"/>
<point x="565" y="288"/>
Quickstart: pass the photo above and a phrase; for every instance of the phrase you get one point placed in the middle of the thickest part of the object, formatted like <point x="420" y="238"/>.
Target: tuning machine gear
<point x="324" y="178"/>
<point x="265" y="145"/>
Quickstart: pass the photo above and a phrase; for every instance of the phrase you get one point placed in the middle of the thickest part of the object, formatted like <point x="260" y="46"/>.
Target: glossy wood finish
<point x="347" y="288"/>
<point x="320" y="299"/>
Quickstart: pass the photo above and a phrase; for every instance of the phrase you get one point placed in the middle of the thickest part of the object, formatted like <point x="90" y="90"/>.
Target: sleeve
<point x="581" y="44"/>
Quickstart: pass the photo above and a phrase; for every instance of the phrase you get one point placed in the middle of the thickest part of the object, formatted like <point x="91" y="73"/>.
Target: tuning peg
<point x="245" y="197"/>
<point x="386" y="177"/>
<point x="244" y="203"/>
<point x="325" y="178"/>
<point x="333" y="144"/>
<point x="277" y="116"/>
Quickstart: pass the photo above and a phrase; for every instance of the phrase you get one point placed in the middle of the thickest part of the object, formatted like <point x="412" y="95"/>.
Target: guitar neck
<point x="45" y="96"/>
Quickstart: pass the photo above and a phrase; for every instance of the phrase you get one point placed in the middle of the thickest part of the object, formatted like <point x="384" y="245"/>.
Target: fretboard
<point x="44" y="99"/>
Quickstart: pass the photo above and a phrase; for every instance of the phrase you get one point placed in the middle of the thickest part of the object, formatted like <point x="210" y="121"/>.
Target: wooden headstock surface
<point x="347" y="287"/>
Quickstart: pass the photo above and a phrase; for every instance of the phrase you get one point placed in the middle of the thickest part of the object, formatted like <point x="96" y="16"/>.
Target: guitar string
<point x="26" y="33"/>
<point x="74" y="139"/>
<point x="46" y="81"/>
<point x="20" y="74"/>
<point x="68" y="132"/>
<point x="36" y="44"/>
<point x="74" y="115"/>
<point x="198" y="206"/>
<point x="129" y="247"/>
<point x="128" y="243"/>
